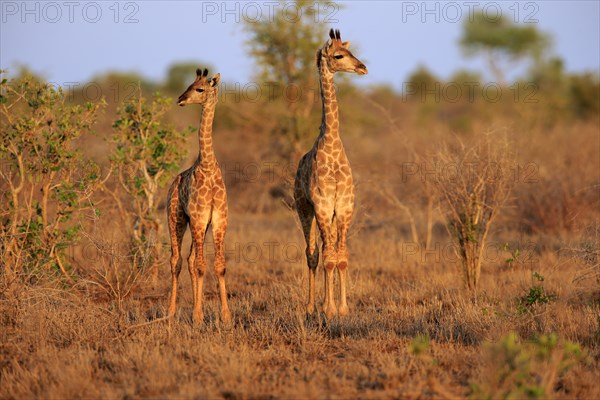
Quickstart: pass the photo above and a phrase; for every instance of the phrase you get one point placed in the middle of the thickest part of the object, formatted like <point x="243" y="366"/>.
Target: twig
<point x="129" y="328"/>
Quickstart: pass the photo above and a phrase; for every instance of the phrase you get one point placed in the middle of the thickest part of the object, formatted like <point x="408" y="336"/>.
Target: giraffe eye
<point x="199" y="90"/>
<point x="338" y="57"/>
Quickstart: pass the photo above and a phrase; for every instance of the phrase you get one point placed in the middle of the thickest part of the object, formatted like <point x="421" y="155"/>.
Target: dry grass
<point x="59" y="343"/>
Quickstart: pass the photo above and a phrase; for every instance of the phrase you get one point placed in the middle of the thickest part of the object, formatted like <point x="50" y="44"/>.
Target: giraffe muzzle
<point x="361" y="69"/>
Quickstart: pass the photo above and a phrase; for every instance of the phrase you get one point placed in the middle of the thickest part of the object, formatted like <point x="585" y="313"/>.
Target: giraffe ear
<point x="215" y="80"/>
<point x="346" y="44"/>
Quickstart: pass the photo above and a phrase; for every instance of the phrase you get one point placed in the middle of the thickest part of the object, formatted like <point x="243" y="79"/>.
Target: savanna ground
<point x="65" y="343"/>
<point x="413" y="331"/>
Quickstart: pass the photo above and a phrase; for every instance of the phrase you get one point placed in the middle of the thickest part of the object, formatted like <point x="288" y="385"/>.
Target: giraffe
<point x="197" y="198"/>
<point x="323" y="189"/>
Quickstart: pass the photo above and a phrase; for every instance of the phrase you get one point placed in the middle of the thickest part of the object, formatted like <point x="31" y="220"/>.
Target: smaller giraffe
<point x="197" y="198"/>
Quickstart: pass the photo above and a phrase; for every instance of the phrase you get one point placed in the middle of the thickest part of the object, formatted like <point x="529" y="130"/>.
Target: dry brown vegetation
<point x="60" y="343"/>
<point x="531" y="330"/>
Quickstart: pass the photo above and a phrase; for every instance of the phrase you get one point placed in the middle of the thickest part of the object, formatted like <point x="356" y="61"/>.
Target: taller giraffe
<point x="197" y="197"/>
<point x="323" y="190"/>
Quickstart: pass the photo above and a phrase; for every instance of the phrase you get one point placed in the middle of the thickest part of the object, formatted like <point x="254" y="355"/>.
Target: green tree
<point x="147" y="155"/>
<point x="584" y="91"/>
<point x="502" y="41"/>
<point x="562" y="94"/>
<point x="463" y="76"/>
<point x="285" y="46"/>
<point x="422" y="86"/>
<point x="548" y="85"/>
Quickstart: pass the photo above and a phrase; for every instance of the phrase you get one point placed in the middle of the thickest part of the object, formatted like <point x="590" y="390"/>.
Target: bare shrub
<point x="472" y="183"/>
<point x="116" y="273"/>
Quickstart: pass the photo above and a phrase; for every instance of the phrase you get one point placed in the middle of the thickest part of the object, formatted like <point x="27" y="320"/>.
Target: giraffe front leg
<point x="197" y="267"/>
<point x="197" y="264"/>
<point x="344" y="310"/>
<point x="343" y="223"/>
<point x="329" y="306"/>
<point x="326" y="227"/>
<point x="219" y="222"/>
<point x="342" y="267"/>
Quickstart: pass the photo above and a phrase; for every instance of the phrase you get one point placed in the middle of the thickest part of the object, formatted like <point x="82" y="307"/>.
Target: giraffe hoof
<point x="198" y="319"/>
<point x="344" y="311"/>
<point x="330" y="312"/>
<point x="226" y="319"/>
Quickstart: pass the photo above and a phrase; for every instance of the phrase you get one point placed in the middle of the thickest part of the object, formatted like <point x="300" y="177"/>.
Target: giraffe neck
<point x="329" y="123"/>
<point x="207" y="155"/>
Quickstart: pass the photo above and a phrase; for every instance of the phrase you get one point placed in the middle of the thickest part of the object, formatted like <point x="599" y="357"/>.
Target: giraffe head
<point x="337" y="57"/>
<point x="202" y="90"/>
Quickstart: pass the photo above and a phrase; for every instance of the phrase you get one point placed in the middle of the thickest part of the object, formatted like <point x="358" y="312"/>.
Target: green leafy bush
<point x="525" y="370"/>
<point x="535" y="296"/>
<point x="47" y="185"/>
<point x="147" y="154"/>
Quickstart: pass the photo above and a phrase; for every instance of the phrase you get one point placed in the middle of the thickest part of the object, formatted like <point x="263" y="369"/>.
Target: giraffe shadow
<point x="353" y="326"/>
<point x="316" y="321"/>
<point x="357" y="328"/>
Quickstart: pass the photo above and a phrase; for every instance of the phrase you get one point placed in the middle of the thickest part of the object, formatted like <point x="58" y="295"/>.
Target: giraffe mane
<point x="319" y="55"/>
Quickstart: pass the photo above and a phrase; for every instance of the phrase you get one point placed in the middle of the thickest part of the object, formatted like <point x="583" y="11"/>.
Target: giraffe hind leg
<point x="306" y="214"/>
<point x="178" y="222"/>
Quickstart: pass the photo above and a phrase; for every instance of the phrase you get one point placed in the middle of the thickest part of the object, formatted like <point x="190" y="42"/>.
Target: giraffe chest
<point x="330" y="177"/>
<point x="202" y="189"/>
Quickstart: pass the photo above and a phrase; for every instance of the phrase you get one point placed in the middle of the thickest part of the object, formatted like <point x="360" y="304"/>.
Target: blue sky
<point x="73" y="41"/>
